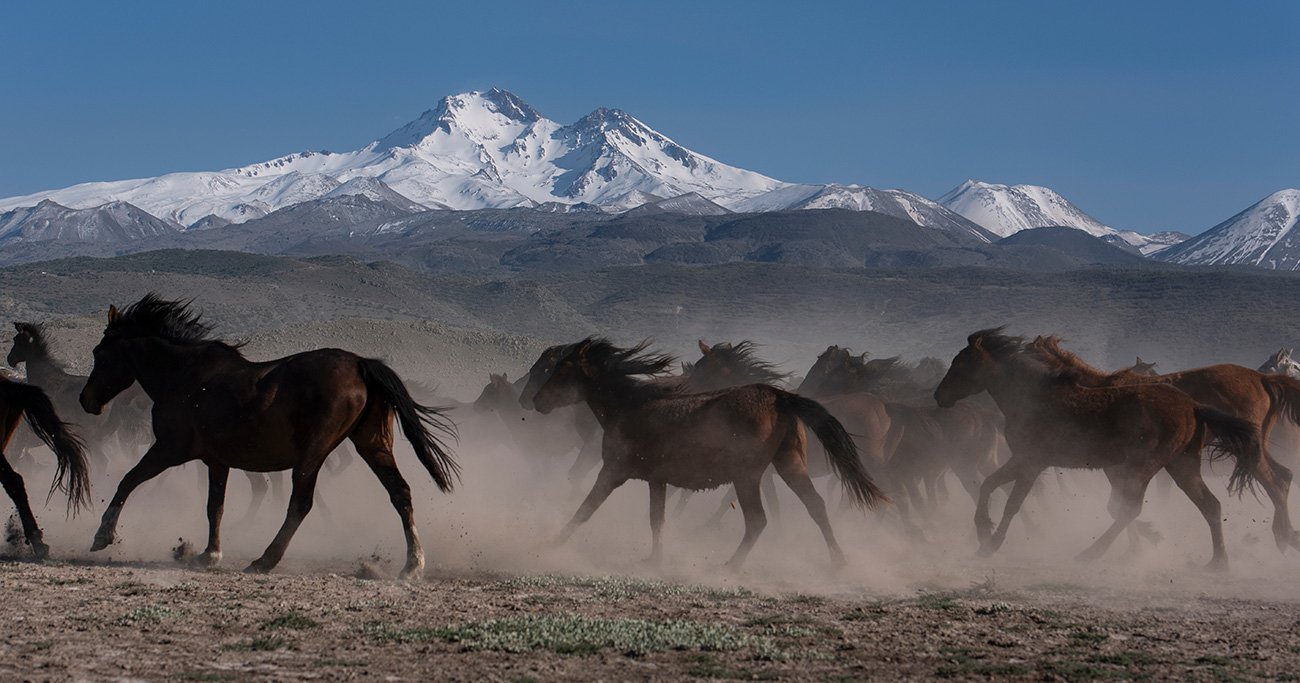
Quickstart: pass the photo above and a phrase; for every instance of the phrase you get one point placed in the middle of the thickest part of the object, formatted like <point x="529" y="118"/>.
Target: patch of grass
<point x="1071" y="670"/>
<point x="863" y="614"/>
<point x="575" y="635"/>
<point x="343" y="663"/>
<point x="147" y="614"/>
<point x="942" y="602"/>
<point x="707" y="666"/>
<point x="260" y="644"/>
<point x="43" y="645"/>
<point x="1056" y="587"/>
<point x="1089" y="637"/>
<point x="1214" y="660"/>
<point x="618" y="587"/>
<point x="129" y="588"/>
<point x="964" y="662"/>
<point x="74" y="581"/>
<point x="209" y="676"/>
<point x="290" y="620"/>
<point x="1127" y="658"/>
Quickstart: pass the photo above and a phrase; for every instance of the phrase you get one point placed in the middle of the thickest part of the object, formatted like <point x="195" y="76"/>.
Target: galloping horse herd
<point x="1005" y="410"/>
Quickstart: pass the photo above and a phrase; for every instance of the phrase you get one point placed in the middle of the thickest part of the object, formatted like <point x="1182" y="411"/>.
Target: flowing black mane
<point x="40" y="344"/>
<point x="620" y="361"/>
<point x="1044" y="354"/>
<point x="173" y="321"/>
<point x="743" y="358"/>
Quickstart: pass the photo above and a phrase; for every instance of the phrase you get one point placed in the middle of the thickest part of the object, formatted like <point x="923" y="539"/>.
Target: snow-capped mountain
<point x="474" y="150"/>
<point x="1263" y="235"/>
<point x="492" y="150"/>
<point x="897" y="203"/>
<point x="1007" y="209"/>
<point x="111" y="222"/>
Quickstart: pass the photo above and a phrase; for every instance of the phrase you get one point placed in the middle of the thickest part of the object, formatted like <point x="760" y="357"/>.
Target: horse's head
<point x="970" y="372"/>
<point x="726" y="365"/>
<point x="114" y="371"/>
<point x="26" y="341"/>
<point x="833" y="366"/>
<point x="498" y="392"/>
<point x="715" y="369"/>
<point x="1281" y="363"/>
<point x="556" y="379"/>
<point x="1141" y="367"/>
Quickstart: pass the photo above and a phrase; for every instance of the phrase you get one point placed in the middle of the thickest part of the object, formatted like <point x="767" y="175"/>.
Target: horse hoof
<point x="208" y="559"/>
<point x="101" y="542"/>
<point x="984" y="551"/>
<point x="40" y="550"/>
<point x="1086" y="556"/>
<point x="257" y="567"/>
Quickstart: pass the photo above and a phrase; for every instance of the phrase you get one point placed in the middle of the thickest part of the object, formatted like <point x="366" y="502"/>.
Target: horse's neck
<point x="162" y="366"/>
<point x="1020" y="388"/>
<point x="42" y="370"/>
<point x="613" y="397"/>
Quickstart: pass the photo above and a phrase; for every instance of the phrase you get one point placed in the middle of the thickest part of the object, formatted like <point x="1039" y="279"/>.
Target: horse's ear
<point x="113" y="314"/>
<point x="1139" y="361"/>
<point x="704" y="348"/>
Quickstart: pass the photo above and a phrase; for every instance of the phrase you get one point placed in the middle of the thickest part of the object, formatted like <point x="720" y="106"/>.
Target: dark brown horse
<point x="930" y="441"/>
<point x="656" y="433"/>
<point x="123" y="425"/>
<point x="1130" y="432"/>
<point x="71" y="474"/>
<point x="213" y="405"/>
<point x="544" y="436"/>
<point x="1238" y="391"/>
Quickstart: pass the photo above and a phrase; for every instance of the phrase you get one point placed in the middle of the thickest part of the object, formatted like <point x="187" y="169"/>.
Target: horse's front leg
<point x="1024" y="484"/>
<point x="658" y="502"/>
<point x="606" y="481"/>
<point x="984" y="521"/>
<point x="157" y="459"/>
<point x="217" y="476"/>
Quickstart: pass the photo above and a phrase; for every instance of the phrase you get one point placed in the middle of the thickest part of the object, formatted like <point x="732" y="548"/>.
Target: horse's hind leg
<point x="13" y="485"/>
<point x="1275" y="479"/>
<point x="1130" y="486"/>
<point x="795" y="474"/>
<point x="257" y="482"/>
<point x="658" y="501"/>
<point x="217" y="476"/>
<point x="1186" y="472"/>
<point x="749" y="493"/>
<point x="300" y="500"/>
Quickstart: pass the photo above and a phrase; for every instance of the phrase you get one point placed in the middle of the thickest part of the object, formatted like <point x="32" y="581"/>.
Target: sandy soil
<point x="309" y="620"/>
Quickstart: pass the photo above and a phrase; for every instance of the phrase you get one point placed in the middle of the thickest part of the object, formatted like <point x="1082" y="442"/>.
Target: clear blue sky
<point x="1149" y="115"/>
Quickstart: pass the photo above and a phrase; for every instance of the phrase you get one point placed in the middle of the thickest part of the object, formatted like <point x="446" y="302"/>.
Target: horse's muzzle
<point x="91" y="405"/>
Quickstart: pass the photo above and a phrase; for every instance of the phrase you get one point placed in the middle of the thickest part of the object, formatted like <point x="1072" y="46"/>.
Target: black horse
<point x="213" y="405"/>
<point x="18" y="400"/>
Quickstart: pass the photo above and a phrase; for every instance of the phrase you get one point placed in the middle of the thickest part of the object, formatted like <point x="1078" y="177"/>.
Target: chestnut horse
<point x="1238" y="391"/>
<point x="658" y="434"/>
<point x="213" y="405"/>
<point x="930" y="440"/>
<point x="1128" y="431"/>
<point x="71" y="474"/>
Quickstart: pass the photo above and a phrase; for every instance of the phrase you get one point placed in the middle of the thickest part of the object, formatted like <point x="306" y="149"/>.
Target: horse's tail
<point x="1235" y="437"/>
<point x="419" y="423"/>
<point x="72" y="473"/>
<point x="842" y="452"/>
<point x="1285" y="394"/>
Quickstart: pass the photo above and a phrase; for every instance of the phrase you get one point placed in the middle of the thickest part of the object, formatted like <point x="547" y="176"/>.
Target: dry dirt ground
<point x="155" y="621"/>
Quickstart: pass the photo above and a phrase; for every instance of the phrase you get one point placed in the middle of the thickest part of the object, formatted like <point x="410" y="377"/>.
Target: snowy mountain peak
<point x="482" y="115"/>
<point x="1008" y="209"/>
<point x="1265" y="234"/>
